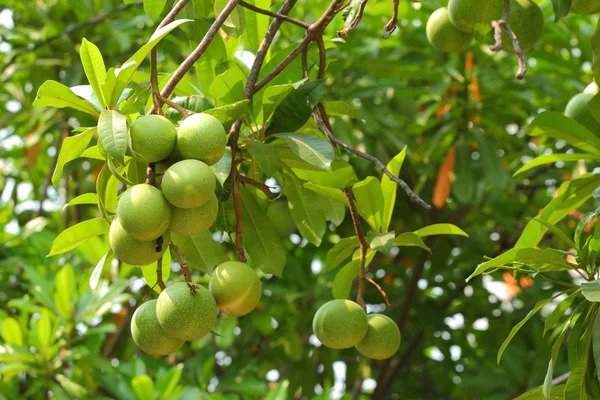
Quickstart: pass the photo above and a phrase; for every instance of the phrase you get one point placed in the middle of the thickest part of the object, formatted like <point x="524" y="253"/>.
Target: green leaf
<point x="135" y="102"/>
<point x="223" y="167"/>
<point x="11" y="332"/>
<point x="113" y="133"/>
<point x="558" y="232"/>
<point x="256" y="24"/>
<point x="596" y="344"/>
<point x="86" y="198"/>
<point x="279" y="392"/>
<point x="153" y="8"/>
<point x="381" y="242"/>
<point x="228" y="87"/>
<point x="55" y="94"/>
<point x="536" y="394"/>
<point x="260" y="240"/>
<point x="266" y="156"/>
<point x="306" y="211"/>
<point x="118" y="172"/>
<point x="41" y="329"/>
<point x="296" y="109"/>
<point x="552" y="158"/>
<point x="201" y="251"/>
<point x="93" y="153"/>
<point x="561" y="8"/>
<point x="97" y="272"/>
<point x="149" y="271"/>
<point x="341" y="175"/>
<point x="342" y="283"/>
<point x="63" y="291"/>
<point x="71" y="148"/>
<point x="389" y="188"/>
<point x="334" y="210"/>
<point x="575" y="386"/>
<point x="273" y="96"/>
<point x="106" y="188"/>
<point x="559" y="311"/>
<point x="440" y="229"/>
<point x="325" y="191"/>
<point x="591" y="290"/>
<point x="72" y="388"/>
<point x="369" y="201"/>
<point x="340" y="252"/>
<point x="86" y="92"/>
<point x="410" y="239"/>
<point x="495" y="174"/>
<point x="341" y="109"/>
<point x="558" y="126"/>
<point x="226" y="327"/>
<point x="93" y="66"/>
<point x="311" y="149"/>
<point x="75" y="235"/>
<point x="143" y="387"/>
<point x="463" y="186"/>
<point x="516" y="328"/>
<point x="229" y="113"/>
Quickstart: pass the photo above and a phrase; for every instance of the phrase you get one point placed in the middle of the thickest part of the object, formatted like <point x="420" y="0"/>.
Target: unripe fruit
<point x="527" y="23"/>
<point x="340" y="324"/>
<point x="153" y="138"/>
<point x="188" y="184"/>
<point x="443" y="35"/>
<point x="236" y="288"/>
<point x="186" y="315"/>
<point x="132" y="251"/>
<point x="577" y="109"/>
<point x="382" y="339"/>
<point x="192" y="221"/>
<point x="147" y="333"/>
<point x="279" y="213"/>
<point x="143" y="212"/>
<point x="201" y="137"/>
<point x="585" y="6"/>
<point x="466" y="14"/>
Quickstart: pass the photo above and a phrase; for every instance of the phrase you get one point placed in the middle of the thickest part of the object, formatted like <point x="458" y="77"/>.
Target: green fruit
<point x="443" y="35"/>
<point x="153" y="138"/>
<point x="340" y="324"/>
<point x="186" y="315"/>
<point x="585" y="6"/>
<point x="143" y="212"/>
<point x="192" y="221"/>
<point x="577" y="109"/>
<point x="465" y="14"/>
<point x="279" y="213"/>
<point x="201" y="137"/>
<point x="188" y="184"/>
<point x="132" y="251"/>
<point x="527" y="23"/>
<point x="236" y="288"/>
<point x="147" y="333"/>
<point x="382" y="339"/>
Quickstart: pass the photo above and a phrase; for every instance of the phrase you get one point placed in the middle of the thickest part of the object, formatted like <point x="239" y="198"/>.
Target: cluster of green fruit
<point x="185" y="312"/>
<point x="341" y="324"/>
<point x="185" y="202"/>
<point x="578" y="109"/>
<point x="453" y="28"/>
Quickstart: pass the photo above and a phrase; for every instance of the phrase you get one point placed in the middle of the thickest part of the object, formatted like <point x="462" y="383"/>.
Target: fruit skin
<point x="465" y="14"/>
<point x="143" y="212"/>
<point x="382" y="339"/>
<point x="279" y="213"/>
<point x="186" y="315"/>
<point x="340" y="324"/>
<point x="201" y="137"/>
<point x="192" y="221"/>
<point x="147" y="333"/>
<point x="188" y="184"/>
<point x="585" y="6"/>
<point x="153" y="138"/>
<point x="527" y="23"/>
<point x="443" y="35"/>
<point x="236" y="288"/>
<point x="577" y="109"/>
<point x="132" y="251"/>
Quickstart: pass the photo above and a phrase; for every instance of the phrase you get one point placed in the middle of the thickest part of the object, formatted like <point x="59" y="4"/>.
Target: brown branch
<point x="272" y="14"/>
<point x="173" y="13"/>
<point x="352" y="26"/>
<point x="364" y="245"/>
<point x="263" y="188"/>
<point x="504" y="23"/>
<point x="383" y="293"/>
<point x="234" y="135"/>
<point x="173" y="105"/>
<point x="391" y="26"/>
<point x="159" y="278"/>
<point x="185" y="269"/>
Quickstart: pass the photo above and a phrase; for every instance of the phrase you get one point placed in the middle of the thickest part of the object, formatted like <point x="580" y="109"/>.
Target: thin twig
<point x="159" y="277"/>
<point x="352" y="26"/>
<point x="185" y="269"/>
<point x="234" y="135"/>
<point x="173" y="105"/>
<point x="154" y="82"/>
<point x="263" y="188"/>
<point x="383" y="293"/>
<point x="173" y="13"/>
<point x="364" y="245"/>
<point x="504" y="23"/>
<point x="391" y="26"/>
<point x="270" y="13"/>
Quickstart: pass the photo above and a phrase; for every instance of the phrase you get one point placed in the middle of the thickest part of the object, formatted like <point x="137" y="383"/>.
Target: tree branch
<point x="352" y="26"/>
<point x="234" y="136"/>
<point x="173" y="13"/>
<point x="173" y="105"/>
<point x="263" y="188"/>
<point x="159" y="278"/>
<point x="364" y="245"/>
<point x="185" y="269"/>
<point x="504" y="23"/>
<point x="272" y="14"/>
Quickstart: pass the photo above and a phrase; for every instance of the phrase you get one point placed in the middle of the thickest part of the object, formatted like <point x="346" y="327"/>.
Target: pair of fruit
<point x="453" y="28"/>
<point x="200" y="137"/>
<point x="180" y="314"/>
<point x="341" y="324"/>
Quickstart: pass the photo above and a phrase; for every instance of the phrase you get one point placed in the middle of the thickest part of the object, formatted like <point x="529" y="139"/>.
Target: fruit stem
<point x="391" y="26"/>
<point x="185" y="269"/>
<point x="159" y="277"/>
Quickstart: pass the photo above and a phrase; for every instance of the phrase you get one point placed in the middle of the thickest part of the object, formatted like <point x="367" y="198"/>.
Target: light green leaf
<point x="559" y="311"/>
<point x="340" y="252"/>
<point x="389" y="188"/>
<point x="201" y="251"/>
<point x="306" y="211"/>
<point x="223" y="167"/>
<point x="153" y="8"/>
<point x="64" y="287"/>
<point x="369" y="201"/>
<point x="410" y="239"/>
<point x="325" y="191"/>
<point x="440" y="229"/>
<point x="591" y="290"/>
<point x="228" y="87"/>
<point x="266" y="157"/>
<point x="342" y="283"/>
<point x="143" y="387"/>
<point x="97" y="272"/>
<point x="92" y="152"/>
<point x="75" y="235"/>
<point x="12" y="332"/>
<point x="381" y="242"/>
<point x="41" y="329"/>
<point x="93" y="66"/>
<point x="575" y="388"/>
<point x="226" y="327"/>
<point x="86" y="198"/>
<point x="311" y="149"/>
<point x="561" y="127"/>
<point x="113" y="133"/>
<point x="536" y="394"/>
<point x="341" y="109"/>
<point x="55" y="94"/>
<point x="229" y="113"/>
<point x="552" y="158"/>
<point x="71" y="148"/>
<point x="341" y="175"/>
<point x="334" y="210"/>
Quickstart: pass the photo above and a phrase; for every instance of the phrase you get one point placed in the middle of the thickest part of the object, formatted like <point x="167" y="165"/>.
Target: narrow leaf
<point x="93" y="66"/>
<point x="55" y="94"/>
<point x="71" y="148"/>
<point x="75" y="235"/>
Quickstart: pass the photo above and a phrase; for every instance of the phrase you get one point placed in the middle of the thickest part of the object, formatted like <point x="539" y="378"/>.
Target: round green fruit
<point x="143" y="212"/>
<point x="527" y="23"/>
<point x="577" y="109"/>
<point x="132" y="251"/>
<point x="443" y="35"/>
<point x="153" y="138"/>
<point x="236" y="288"/>
<point x="201" y="137"/>
<point x="585" y="6"/>
<point x="340" y="324"/>
<point x="188" y="184"/>
<point x="382" y="339"/>
<point x="147" y="333"/>
<point x="466" y="14"/>
<point x="184" y="314"/>
<point x="192" y="221"/>
<point x="279" y="213"/>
